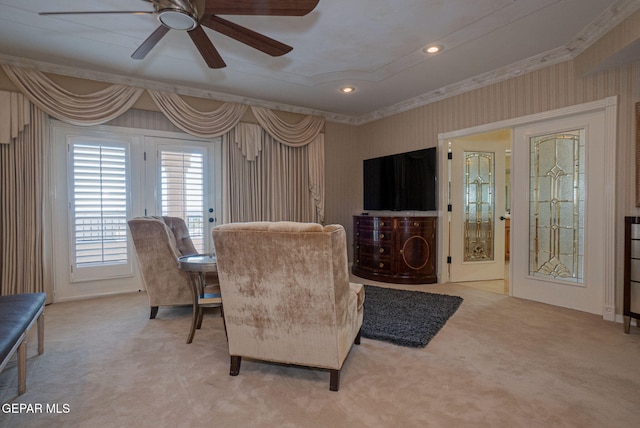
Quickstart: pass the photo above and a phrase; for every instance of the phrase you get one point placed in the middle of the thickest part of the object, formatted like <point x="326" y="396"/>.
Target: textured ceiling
<point x="374" y="45"/>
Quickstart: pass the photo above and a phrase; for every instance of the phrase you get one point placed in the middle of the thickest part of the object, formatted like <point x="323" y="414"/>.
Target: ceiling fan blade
<point x="260" y="7"/>
<point x="100" y="12"/>
<point x="248" y="37"/>
<point x="207" y="50"/>
<point x="150" y="42"/>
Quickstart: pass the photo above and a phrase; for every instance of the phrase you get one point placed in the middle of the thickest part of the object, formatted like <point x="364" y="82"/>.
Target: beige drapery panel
<point x="316" y="175"/>
<point x="265" y="180"/>
<point x="22" y="204"/>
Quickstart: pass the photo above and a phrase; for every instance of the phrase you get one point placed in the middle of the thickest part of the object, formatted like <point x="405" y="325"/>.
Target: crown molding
<point x="118" y="79"/>
<point x="594" y="31"/>
<point x="590" y="34"/>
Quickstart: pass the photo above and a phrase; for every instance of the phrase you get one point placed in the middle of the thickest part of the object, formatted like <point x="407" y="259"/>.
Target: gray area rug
<point x="405" y="318"/>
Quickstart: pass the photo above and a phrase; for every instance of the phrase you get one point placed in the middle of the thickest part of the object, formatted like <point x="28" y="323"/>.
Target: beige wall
<point x="550" y="88"/>
<point x="554" y="87"/>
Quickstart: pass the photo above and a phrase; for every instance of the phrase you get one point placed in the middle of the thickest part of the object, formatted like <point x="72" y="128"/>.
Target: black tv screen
<point x="401" y="182"/>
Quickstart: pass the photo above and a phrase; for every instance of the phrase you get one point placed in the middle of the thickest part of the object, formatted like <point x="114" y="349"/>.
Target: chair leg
<point x="358" y="336"/>
<point x="41" y="334"/>
<point x="22" y="367"/>
<point x="154" y="312"/>
<point x="334" y="380"/>
<point x="235" y="365"/>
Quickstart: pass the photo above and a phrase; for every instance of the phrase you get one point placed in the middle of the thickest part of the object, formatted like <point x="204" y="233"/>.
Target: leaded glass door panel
<point x="478" y="199"/>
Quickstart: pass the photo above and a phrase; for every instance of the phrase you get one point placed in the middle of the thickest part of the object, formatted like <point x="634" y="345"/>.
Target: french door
<point x="562" y="205"/>
<point x="558" y="252"/>
<point x="182" y="179"/>
<point x="477" y="209"/>
<point x="102" y="177"/>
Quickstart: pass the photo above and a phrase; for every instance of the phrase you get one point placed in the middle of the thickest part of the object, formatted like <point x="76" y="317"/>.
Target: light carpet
<point x="499" y="362"/>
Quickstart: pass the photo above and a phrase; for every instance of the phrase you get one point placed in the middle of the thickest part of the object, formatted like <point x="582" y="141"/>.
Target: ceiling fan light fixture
<point x="177" y="19"/>
<point x="347" y="89"/>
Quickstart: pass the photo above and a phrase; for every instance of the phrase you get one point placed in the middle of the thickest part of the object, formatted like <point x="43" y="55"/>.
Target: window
<point x="99" y="208"/>
<point x="104" y="176"/>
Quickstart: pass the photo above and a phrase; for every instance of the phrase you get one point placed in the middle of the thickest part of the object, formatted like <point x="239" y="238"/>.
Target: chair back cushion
<point x="158" y="254"/>
<point x="181" y="233"/>
<point x="286" y="293"/>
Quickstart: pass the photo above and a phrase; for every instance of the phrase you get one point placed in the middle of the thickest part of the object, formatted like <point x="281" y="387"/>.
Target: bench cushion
<point x="17" y="311"/>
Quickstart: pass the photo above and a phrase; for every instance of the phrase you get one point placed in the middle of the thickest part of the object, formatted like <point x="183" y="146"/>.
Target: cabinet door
<point x="415" y="243"/>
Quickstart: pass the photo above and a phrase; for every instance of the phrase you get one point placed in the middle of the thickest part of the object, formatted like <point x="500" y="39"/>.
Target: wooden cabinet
<point x="395" y="249"/>
<point x="631" y="303"/>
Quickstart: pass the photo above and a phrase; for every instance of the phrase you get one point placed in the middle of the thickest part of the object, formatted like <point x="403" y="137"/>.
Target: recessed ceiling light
<point x="431" y="49"/>
<point x="348" y="89"/>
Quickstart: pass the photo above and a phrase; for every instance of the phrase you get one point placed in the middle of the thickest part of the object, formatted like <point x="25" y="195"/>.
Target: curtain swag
<point x="201" y="124"/>
<point x="300" y="134"/>
<point x="109" y="103"/>
<point x="84" y="110"/>
<point x="15" y="115"/>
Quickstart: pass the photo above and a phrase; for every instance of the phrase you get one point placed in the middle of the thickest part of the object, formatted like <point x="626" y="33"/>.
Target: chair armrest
<point x="358" y="289"/>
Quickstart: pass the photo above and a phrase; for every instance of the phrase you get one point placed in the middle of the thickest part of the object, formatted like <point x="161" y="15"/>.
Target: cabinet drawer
<point x="374" y="235"/>
<point x="375" y="264"/>
<point x="374" y="249"/>
<point x="379" y="223"/>
<point x="418" y="223"/>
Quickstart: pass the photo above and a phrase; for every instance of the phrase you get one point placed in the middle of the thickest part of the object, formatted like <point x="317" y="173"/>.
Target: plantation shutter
<point x="99" y="205"/>
<point x="182" y="183"/>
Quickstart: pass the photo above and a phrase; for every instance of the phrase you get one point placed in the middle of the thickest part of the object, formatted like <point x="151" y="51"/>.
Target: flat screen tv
<point x="401" y="182"/>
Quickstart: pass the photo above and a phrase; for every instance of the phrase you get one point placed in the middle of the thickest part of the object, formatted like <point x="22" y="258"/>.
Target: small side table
<point x="204" y="295"/>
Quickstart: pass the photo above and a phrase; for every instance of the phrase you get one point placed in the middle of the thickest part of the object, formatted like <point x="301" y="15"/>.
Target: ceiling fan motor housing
<point x="178" y="14"/>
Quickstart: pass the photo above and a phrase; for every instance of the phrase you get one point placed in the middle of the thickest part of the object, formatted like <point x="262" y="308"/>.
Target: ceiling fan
<point x="191" y="15"/>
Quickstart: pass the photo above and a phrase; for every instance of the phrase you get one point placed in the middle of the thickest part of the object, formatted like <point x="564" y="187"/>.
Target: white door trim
<point x="609" y="105"/>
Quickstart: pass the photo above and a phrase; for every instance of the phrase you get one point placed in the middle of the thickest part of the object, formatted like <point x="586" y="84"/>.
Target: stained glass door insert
<point x="556" y="209"/>
<point x="479" y="189"/>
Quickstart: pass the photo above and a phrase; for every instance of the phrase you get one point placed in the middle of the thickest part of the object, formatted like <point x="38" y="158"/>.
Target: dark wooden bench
<point x="18" y="313"/>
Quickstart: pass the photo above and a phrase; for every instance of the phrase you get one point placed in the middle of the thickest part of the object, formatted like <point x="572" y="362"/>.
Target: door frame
<point x="609" y="106"/>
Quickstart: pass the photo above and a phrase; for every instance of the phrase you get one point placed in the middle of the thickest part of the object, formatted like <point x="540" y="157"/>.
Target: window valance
<point x="14" y="115"/>
<point x="107" y="104"/>
<point x="93" y="109"/>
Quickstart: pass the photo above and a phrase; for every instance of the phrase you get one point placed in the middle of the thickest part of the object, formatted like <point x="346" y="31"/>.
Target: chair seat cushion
<point x="17" y="311"/>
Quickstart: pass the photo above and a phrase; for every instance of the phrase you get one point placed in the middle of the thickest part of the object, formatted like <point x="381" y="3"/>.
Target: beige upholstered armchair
<point x="158" y="249"/>
<point x="286" y="294"/>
